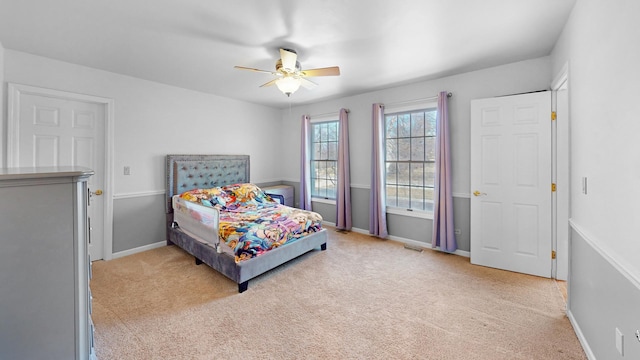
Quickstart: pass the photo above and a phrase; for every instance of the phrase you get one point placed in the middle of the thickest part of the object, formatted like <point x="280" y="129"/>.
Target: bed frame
<point x="186" y="172"/>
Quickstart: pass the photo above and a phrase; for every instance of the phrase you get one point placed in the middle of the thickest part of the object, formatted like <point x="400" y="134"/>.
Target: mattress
<point x="248" y="222"/>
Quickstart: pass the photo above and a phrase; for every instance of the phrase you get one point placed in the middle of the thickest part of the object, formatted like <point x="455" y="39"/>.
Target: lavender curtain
<point x="377" y="200"/>
<point x="443" y="231"/>
<point x="305" y="172"/>
<point x="343" y="198"/>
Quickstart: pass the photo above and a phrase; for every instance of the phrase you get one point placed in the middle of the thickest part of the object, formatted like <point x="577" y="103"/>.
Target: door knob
<point x="97" y="192"/>
<point x="478" y="193"/>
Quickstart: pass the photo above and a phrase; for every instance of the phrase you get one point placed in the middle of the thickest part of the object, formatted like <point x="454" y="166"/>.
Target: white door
<point x="53" y="128"/>
<point x="511" y="215"/>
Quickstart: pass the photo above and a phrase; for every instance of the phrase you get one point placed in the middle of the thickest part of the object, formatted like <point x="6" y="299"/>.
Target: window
<point x="324" y="159"/>
<point x="410" y="158"/>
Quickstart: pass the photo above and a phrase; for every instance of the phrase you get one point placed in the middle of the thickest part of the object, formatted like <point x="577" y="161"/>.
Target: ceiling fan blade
<point x="272" y="82"/>
<point x="307" y="84"/>
<point x="256" y="70"/>
<point x="289" y="59"/>
<point x="328" y="71"/>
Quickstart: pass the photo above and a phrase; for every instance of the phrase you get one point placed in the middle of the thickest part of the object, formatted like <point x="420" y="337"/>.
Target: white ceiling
<point x="194" y="44"/>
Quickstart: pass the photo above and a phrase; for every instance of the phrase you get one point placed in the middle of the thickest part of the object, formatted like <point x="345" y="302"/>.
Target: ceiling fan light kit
<point x="289" y="73"/>
<point x="288" y="85"/>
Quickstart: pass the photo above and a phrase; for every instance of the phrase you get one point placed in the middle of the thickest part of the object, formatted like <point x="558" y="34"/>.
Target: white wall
<point x="604" y="90"/>
<point x="600" y="45"/>
<point x="508" y="79"/>
<point x="152" y="120"/>
<point x="3" y="126"/>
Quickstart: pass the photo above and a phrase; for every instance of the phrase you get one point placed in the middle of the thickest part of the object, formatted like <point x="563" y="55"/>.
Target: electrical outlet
<point x="620" y="342"/>
<point x="127" y="170"/>
<point x="457" y="231"/>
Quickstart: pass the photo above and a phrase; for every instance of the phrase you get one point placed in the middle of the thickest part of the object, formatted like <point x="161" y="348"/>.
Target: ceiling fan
<point x="289" y="73"/>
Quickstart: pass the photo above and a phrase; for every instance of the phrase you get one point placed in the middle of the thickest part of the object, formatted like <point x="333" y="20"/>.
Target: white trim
<point x="561" y="176"/>
<point x="413" y="243"/>
<point x="13" y="155"/>
<point x="360" y="186"/>
<point x="328" y="117"/>
<point x="619" y="265"/>
<point x="462" y="195"/>
<point x="139" y="194"/>
<point x="410" y="105"/>
<point x="324" y="201"/>
<point x="120" y="254"/>
<point x="561" y="77"/>
<point x="580" y="335"/>
<point x="409" y="213"/>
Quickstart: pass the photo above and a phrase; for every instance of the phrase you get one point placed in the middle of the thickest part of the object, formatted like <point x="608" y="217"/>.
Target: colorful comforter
<point x="252" y="223"/>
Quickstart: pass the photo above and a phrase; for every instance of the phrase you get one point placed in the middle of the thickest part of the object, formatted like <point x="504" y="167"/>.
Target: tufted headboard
<point x="186" y="172"/>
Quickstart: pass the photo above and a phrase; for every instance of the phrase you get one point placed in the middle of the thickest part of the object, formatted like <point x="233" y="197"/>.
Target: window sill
<point x="410" y="213"/>
<point x="323" y="200"/>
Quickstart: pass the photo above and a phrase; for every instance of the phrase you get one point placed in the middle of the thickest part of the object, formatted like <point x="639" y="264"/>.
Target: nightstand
<point x="280" y="193"/>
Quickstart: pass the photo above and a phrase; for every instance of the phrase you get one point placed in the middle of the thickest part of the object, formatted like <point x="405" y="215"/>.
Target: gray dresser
<point x="45" y="299"/>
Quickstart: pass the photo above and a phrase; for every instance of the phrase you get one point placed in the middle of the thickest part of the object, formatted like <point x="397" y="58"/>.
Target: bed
<point x="189" y="172"/>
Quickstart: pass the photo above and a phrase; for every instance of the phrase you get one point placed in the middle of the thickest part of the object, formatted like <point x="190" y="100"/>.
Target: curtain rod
<point x="449" y="94"/>
<point x="327" y="114"/>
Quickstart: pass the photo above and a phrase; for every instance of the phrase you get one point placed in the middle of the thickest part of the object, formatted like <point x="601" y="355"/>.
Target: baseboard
<point x="409" y="242"/>
<point x="138" y="249"/>
<point x="580" y="335"/>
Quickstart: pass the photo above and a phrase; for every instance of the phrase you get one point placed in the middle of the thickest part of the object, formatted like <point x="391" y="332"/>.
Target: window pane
<point x="429" y="174"/>
<point x="428" y="194"/>
<point x="417" y="198"/>
<point x="417" y="149"/>
<point x="391" y="173"/>
<point x="403" y="197"/>
<point x="316" y="151"/>
<point x="324" y="132"/>
<point x="333" y="150"/>
<point x="392" y="150"/>
<point x="404" y="149"/>
<point x="391" y="126"/>
<point x="392" y="199"/>
<point x="417" y="124"/>
<point x="417" y="174"/>
<point x="404" y="125"/>
<point x="316" y="133"/>
<point x="332" y="131"/>
<point x="332" y="170"/>
<point x="430" y="123"/>
<point x="324" y="151"/>
<point x="403" y="174"/>
<point x="430" y="146"/>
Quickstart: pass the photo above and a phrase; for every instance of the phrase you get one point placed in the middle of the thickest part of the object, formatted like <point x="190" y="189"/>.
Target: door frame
<point x="15" y="90"/>
<point x="562" y="177"/>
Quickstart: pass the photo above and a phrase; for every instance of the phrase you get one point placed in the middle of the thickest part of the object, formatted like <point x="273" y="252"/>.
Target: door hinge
<point x="553" y="187"/>
<point x="553" y="254"/>
<point x="554" y="115"/>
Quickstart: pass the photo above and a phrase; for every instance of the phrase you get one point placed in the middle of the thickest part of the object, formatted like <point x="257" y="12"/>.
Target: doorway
<point x="56" y="128"/>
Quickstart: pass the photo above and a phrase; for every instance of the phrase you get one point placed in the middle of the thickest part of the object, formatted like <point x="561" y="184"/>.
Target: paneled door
<point x="511" y="183"/>
<point x="55" y="128"/>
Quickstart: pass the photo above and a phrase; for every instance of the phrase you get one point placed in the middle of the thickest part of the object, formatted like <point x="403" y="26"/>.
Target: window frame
<point x="425" y="105"/>
<point x="314" y="122"/>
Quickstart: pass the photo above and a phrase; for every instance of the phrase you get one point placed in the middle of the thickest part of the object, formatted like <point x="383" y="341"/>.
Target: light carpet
<point x="362" y="298"/>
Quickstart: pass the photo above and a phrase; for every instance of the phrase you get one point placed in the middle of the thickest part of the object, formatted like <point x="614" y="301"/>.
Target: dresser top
<point x="44" y="172"/>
